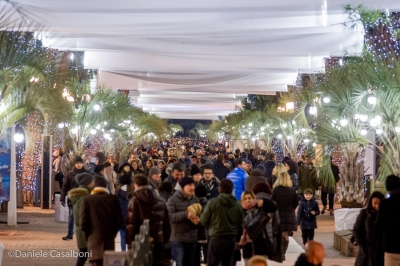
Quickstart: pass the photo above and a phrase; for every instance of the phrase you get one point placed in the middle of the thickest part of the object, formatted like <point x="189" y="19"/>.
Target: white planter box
<point x="346" y="218"/>
<point x="61" y="212"/>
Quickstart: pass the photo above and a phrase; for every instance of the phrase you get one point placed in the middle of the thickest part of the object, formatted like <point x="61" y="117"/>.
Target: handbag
<point x="255" y="222"/>
<point x="59" y="176"/>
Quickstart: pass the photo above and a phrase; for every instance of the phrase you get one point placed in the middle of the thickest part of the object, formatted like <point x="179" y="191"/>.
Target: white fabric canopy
<point x="198" y="59"/>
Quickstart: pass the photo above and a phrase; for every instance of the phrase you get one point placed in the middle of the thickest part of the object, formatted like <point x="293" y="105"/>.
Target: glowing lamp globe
<point x="344" y="122"/>
<point x="313" y="110"/>
<point x="363" y="118"/>
<point x="363" y="132"/>
<point x="96" y="107"/>
<point x="372" y="100"/>
<point x="18" y="137"/>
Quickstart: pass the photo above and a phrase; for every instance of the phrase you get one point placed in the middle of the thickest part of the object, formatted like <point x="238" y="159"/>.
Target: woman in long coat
<point x="287" y="200"/>
<point x="370" y="252"/>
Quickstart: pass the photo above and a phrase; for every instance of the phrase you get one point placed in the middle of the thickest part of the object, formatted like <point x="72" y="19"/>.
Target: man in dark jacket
<point x="307" y="176"/>
<point x="147" y="204"/>
<point x="177" y="174"/>
<point x="101" y="218"/>
<point x="223" y="216"/>
<point x="76" y="195"/>
<point x="183" y="222"/>
<point x="330" y="193"/>
<point x="210" y="182"/>
<point x="219" y="169"/>
<point x="256" y="176"/>
<point x="184" y="159"/>
<point x="388" y="221"/>
<point x="252" y="158"/>
<point x="269" y="165"/>
<point x="124" y="194"/>
<point x="314" y="255"/>
<point x="68" y="184"/>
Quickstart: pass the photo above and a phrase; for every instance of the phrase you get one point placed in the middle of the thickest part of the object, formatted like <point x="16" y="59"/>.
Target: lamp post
<point x="12" y="204"/>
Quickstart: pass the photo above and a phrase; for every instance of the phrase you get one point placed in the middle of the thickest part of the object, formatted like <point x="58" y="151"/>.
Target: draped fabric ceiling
<point x="199" y="59"/>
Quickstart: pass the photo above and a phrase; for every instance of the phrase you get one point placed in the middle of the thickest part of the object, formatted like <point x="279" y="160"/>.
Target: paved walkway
<point x="43" y="235"/>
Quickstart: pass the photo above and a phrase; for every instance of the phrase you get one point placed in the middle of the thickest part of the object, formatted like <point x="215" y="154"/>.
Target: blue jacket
<point x="238" y="176"/>
<point x="305" y="219"/>
<point x="123" y="202"/>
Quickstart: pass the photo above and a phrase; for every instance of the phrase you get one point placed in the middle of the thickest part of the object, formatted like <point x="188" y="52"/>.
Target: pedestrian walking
<point x="389" y="220"/>
<point x="85" y="183"/>
<point x="238" y="176"/>
<point x="146" y="203"/>
<point x="223" y="217"/>
<point x="366" y="234"/>
<point x="68" y="184"/>
<point x="287" y="201"/>
<point x="183" y="222"/>
<point x="101" y="218"/>
<point x="124" y="193"/>
<point x="307" y="215"/>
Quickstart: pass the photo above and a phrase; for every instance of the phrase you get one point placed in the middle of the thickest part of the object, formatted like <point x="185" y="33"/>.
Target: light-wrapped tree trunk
<point x="352" y="176"/>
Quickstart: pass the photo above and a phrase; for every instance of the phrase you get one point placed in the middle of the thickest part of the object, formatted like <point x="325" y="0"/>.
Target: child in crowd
<point x="307" y="215"/>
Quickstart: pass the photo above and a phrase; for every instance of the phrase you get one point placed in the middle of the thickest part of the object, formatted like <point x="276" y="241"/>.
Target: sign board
<point x="5" y="163"/>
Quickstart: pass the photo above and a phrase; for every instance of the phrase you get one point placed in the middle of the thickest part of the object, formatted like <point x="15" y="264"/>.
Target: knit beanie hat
<point x="392" y="183"/>
<point x="126" y="179"/>
<point x="154" y="171"/>
<point x="186" y="181"/>
<point x="83" y="179"/>
<point x="194" y="169"/>
<point x="78" y="159"/>
<point x="100" y="181"/>
<point x="200" y="191"/>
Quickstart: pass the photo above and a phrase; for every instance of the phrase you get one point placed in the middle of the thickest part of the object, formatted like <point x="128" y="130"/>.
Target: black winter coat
<point x="69" y="183"/>
<point x="295" y="180"/>
<point x="370" y="252"/>
<point x="271" y="244"/>
<point x="287" y="200"/>
<point x="305" y="219"/>
<point x="388" y="222"/>
<point x="269" y="167"/>
<point x="252" y="180"/>
<point x="220" y="170"/>
<point x="302" y="261"/>
<point x="147" y="204"/>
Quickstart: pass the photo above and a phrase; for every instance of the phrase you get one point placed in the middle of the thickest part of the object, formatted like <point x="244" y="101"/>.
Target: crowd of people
<point x="206" y="205"/>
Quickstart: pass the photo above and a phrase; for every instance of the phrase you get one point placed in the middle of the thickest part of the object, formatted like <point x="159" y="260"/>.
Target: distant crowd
<point x="205" y="204"/>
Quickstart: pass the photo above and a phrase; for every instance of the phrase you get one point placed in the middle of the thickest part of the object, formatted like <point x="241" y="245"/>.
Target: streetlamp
<point x="17" y="137"/>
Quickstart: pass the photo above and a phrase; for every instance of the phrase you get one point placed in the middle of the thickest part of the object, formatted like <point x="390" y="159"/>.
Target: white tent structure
<point x="198" y="59"/>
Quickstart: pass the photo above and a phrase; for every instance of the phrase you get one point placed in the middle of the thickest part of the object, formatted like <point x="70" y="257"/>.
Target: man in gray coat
<point x="183" y="222"/>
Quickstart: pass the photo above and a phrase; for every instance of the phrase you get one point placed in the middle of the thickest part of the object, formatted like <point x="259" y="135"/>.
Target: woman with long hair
<point x="366" y="235"/>
<point x="271" y="244"/>
<point x="149" y="165"/>
<point x="287" y="200"/>
<point x="293" y="170"/>
<point x="248" y="202"/>
<point x="278" y="169"/>
<point x="136" y="169"/>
